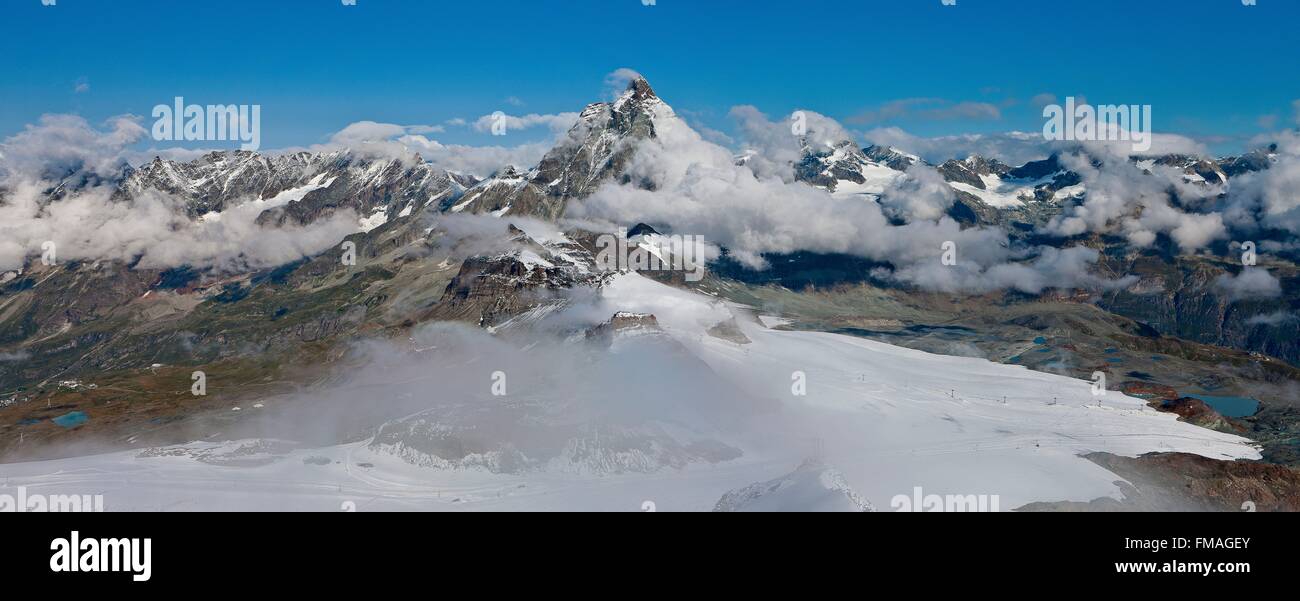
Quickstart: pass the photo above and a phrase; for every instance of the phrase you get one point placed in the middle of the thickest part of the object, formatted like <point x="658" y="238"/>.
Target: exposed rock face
<point x="730" y="331"/>
<point x="1038" y="169"/>
<point x="625" y="324"/>
<point x="1180" y="297"/>
<point x="490" y="289"/>
<point x="1257" y="160"/>
<point x="70" y="295"/>
<point x="74" y="180"/>
<point x="968" y="209"/>
<point x="214" y="180"/>
<point x="969" y="170"/>
<point x="889" y="157"/>
<point x="1185" y="482"/>
<point x="391" y="188"/>
<point x="1146" y="389"/>
<point x="596" y="149"/>
<point x="826" y="168"/>
<point x="315" y="185"/>
<point x="1198" y="170"/>
<point x="1195" y="411"/>
<point x="1032" y="188"/>
<point x="641" y="229"/>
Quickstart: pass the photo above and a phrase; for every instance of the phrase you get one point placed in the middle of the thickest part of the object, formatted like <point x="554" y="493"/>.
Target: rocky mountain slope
<point x="300" y="187"/>
<point x="596" y="149"/>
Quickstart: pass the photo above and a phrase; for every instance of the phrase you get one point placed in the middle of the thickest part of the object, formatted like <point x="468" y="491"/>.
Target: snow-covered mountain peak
<point x="596" y="149"/>
<point x="639" y="89"/>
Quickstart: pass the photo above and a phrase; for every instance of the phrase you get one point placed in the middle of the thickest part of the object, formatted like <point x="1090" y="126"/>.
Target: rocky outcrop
<point x="970" y="170"/>
<point x="1196" y="411"/>
<point x="827" y="167"/>
<point x="1185" y="482"/>
<point x="624" y="324"/>
<point x="1150" y="391"/>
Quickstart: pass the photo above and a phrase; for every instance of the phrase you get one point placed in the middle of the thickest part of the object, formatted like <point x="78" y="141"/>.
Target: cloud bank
<point x="151" y="230"/>
<point x="698" y="188"/>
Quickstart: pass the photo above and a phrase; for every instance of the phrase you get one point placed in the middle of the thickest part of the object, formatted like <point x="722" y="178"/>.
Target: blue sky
<point x="1212" y="69"/>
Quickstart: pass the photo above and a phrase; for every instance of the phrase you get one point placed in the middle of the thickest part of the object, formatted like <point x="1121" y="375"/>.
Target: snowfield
<point x="877" y="421"/>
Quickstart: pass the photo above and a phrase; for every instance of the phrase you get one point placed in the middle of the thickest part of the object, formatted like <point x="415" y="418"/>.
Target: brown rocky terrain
<point x="1185" y="482"/>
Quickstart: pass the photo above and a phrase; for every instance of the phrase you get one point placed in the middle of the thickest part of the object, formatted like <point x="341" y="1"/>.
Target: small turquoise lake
<point x="71" y="420"/>
<point x="1230" y="406"/>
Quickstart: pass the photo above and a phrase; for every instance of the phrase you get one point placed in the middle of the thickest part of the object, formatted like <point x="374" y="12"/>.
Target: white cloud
<point x="1017" y="147"/>
<point x="14" y="357"/>
<point x="425" y="129"/>
<point x="1273" y="319"/>
<point x="154" y="228"/>
<point x="1253" y="283"/>
<point x="480" y="161"/>
<point x="1066" y="268"/>
<point x="558" y="123"/>
<point x="64" y="143"/>
<point x="403" y="142"/>
<point x="773" y="146"/>
<point x="1268" y="199"/>
<point x="1123" y="199"/>
<point x="617" y="80"/>
<point x="698" y="189"/>
<point x="921" y="193"/>
<point x="363" y="132"/>
<point x="1011" y="147"/>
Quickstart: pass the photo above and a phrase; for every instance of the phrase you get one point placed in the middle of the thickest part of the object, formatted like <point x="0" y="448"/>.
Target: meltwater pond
<point x="1230" y="406"/>
<point x="71" y="420"/>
